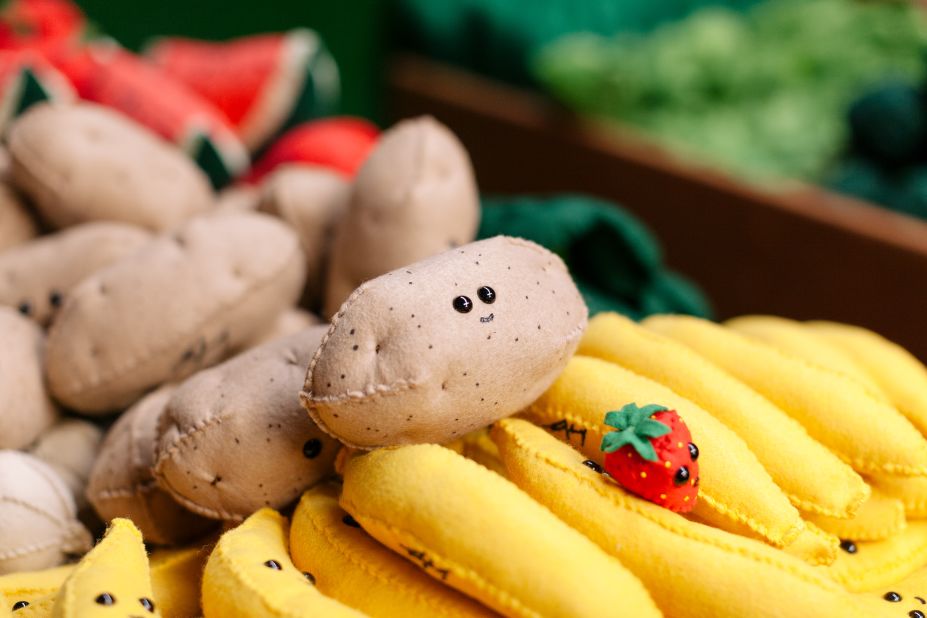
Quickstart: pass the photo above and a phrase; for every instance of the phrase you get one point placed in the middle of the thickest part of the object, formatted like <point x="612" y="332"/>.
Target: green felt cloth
<point x="616" y="262"/>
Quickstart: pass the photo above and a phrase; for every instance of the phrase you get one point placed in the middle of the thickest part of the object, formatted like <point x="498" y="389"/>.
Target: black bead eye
<point x="105" y="599"/>
<point x="20" y="605"/>
<point x="273" y="564"/>
<point x="486" y="294"/>
<point x="350" y="521"/>
<point x="463" y="304"/>
<point x="682" y="476"/>
<point x="892" y="597"/>
<point x="916" y="613"/>
<point x="147" y="604"/>
<point x="312" y="448"/>
<point x="55" y="298"/>
<point x="25" y="308"/>
<point x="593" y="466"/>
<point x="310" y="577"/>
<point x="693" y="451"/>
<point x="848" y="546"/>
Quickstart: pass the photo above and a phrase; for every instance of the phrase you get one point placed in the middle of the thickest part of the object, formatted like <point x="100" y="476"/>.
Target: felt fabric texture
<point x="401" y="365"/>
<point x="36" y="277"/>
<point x="235" y="438"/>
<point x="239" y="197"/>
<point x="814" y="479"/>
<point x="33" y="586"/>
<point x="912" y="491"/>
<point x="901" y="376"/>
<point x="250" y="573"/>
<point x="312" y="200"/>
<point x="616" y="262"/>
<point x="735" y="491"/>
<point x="905" y="596"/>
<point x="114" y="574"/>
<point x="16" y="223"/>
<point x="42" y="607"/>
<point x="415" y="196"/>
<point x="879" y="517"/>
<point x="287" y="323"/>
<point x="122" y="484"/>
<point x="83" y="163"/>
<point x="794" y="338"/>
<point x="879" y="564"/>
<point x="38" y="518"/>
<point x="479" y="447"/>
<point x="692" y="570"/>
<point x="184" y="301"/>
<point x="70" y="447"/>
<point x="176" y="576"/>
<point x="475" y="531"/>
<point x="351" y="567"/>
<point x="869" y="434"/>
<point x="27" y="409"/>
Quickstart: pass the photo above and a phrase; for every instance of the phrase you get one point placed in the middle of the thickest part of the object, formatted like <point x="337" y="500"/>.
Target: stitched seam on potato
<point x="506" y="599"/>
<point x="620" y="500"/>
<point x="374" y="391"/>
<point x="382" y="575"/>
<point x="29" y="549"/>
<point x="307" y="383"/>
<point x="30" y="507"/>
<point x="103" y="381"/>
<point x="132" y="491"/>
<point x="782" y="539"/>
<point x="65" y="501"/>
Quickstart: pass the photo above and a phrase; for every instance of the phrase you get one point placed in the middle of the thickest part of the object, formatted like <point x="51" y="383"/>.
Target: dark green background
<point x="352" y="29"/>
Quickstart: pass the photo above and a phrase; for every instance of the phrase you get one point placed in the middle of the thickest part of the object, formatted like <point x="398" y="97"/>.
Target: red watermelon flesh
<point x="36" y="23"/>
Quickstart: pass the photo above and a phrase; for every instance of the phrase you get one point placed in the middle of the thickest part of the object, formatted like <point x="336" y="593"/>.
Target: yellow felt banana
<point x="111" y="578"/>
<point x="478" y="446"/>
<point x="879" y="563"/>
<point x="813" y="478"/>
<point x="899" y="374"/>
<point x="795" y="339"/>
<point x="28" y="587"/>
<point x="41" y="607"/>
<point x="870" y="435"/>
<point x="693" y="570"/>
<point x="735" y="491"/>
<point x="912" y="491"/>
<point x="879" y="518"/>
<point x="477" y="532"/>
<point x="175" y="580"/>
<point x="907" y="596"/>
<point x="353" y="568"/>
<point x="250" y="574"/>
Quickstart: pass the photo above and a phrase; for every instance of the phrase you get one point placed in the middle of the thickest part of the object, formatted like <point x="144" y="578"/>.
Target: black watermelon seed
<point x="105" y="599"/>
<point x="147" y="604"/>
<point x="312" y="448"/>
<point x="20" y="605"/>
<point x="273" y="564"/>
<point x="350" y="521"/>
<point x="593" y="466"/>
<point x="892" y="597"/>
<point x="848" y="546"/>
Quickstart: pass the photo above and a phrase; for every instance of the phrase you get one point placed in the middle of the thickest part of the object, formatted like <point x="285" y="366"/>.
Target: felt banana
<point x="912" y="491"/>
<point x="175" y="580"/>
<point x="793" y="338"/>
<point x="111" y="577"/>
<point x="813" y="478"/>
<point x="347" y="565"/>
<point x="478" y="446"/>
<point x="879" y="518"/>
<point x="42" y="607"/>
<point x="693" y="570"/>
<point x="475" y="531"/>
<point x="250" y="573"/>
<point x="906" y="597"/>
<point x="32" y="592"/>
<point x="870" y="435"/>
<point x="899" y="374"/>
<point x="877" y="564"/>
<point x="735" y="491"/>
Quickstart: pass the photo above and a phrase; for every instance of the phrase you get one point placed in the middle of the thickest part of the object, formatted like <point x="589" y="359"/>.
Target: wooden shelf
<point x="797" y="251"/>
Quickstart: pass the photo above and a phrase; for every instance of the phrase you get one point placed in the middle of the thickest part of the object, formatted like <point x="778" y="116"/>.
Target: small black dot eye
<point x="55" y="298"/>
<point x="25" y="308"/>
<point x="916" y="613"/>
<point x="682" y="476"/>
<point x="693" y="451"/>
<point x="20" y="605"/>
<point x="310" y="577"/>
<point x="273" y="564"/>
<point x="593" y="466"/>
<point x="350" y="521"/>
<point x="486" y="294"/>
<point x="892" y="597"/>
<point x="105" y="599"/>
<point x="312" y="448"/>
<point x="848" y="546"/>
<point x="147" y="604"/>
<point x="463" y="304"/>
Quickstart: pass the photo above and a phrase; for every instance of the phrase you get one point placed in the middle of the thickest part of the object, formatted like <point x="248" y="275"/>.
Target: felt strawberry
<point x="651" y="454"/>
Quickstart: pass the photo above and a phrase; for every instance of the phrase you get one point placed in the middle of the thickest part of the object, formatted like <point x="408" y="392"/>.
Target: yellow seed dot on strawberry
<point x="662" y="496"/>
<point x="685" y="498"/>
<point x="668" y="465"/>
<point x="643" y="475"/>
<point x="629" y="454"/>
<point x="679" y="445"/>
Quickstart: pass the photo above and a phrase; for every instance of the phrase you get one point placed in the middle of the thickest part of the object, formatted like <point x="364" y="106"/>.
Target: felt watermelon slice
<point x="40" y="23"/>
<point x="263" y="83"/>
<point x="27" y="78"/>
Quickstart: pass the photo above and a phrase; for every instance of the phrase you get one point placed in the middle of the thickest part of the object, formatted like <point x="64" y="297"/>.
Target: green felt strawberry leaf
<point x="650" y="428"/>
<point x="635" y="427"/>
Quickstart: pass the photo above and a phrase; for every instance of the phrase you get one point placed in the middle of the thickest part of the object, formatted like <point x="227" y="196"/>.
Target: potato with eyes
<point x="432" y="351"/>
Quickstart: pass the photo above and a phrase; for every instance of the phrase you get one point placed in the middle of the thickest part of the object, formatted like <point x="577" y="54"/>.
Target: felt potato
<point x="122" y="484"/>
<point x="735" y="492"/>
<point x="36" y="277"/>
<point x="879" y="517"/>
<point x="835" y="410"/>
<point x="234" y="437"/>
<point x="83" y="162"/>
<point x="238" y="198"/>
<point x="16" y="224"/>
<point x="184" y="301"/>
<point x="475" y="531"/>
<point x="25" y="409"/>
<point x="692" y="570"/>
<point x="38" y="518"/>
<point x="814" y="479"/>
<point x="349" y="566"/>
<point x="414" y="197"/>
<point x="877" y="564"/>
<point x="287" y="323"/>
<point x="250" y="573"/>
<point x="70" y="448"/>
<point x="312" y="200"/>
<point x="430" y="352"/>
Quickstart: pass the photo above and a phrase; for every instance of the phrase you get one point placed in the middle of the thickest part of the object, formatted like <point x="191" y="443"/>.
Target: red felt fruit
<point x="341" y="144"/>
<point x="40" y="23"/>
<point x="651" y="454"/>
